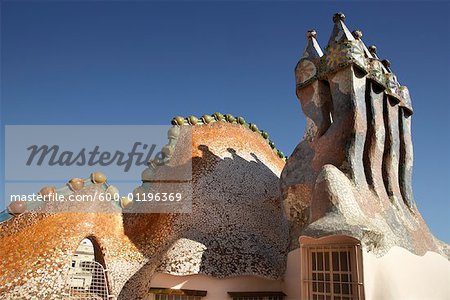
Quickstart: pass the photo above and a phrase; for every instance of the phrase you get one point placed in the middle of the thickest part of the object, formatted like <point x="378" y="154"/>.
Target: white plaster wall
<point x="402" y="275"/>
<point x="217" y="288"/>
<point x="292" y="276"/>
<point x="398" y="275"/>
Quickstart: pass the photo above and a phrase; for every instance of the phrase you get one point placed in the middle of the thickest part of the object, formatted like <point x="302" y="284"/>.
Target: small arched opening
<point x="87" y="278"/>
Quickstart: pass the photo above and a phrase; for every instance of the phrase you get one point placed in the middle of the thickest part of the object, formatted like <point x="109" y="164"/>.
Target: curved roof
<point x="237" y="225"/>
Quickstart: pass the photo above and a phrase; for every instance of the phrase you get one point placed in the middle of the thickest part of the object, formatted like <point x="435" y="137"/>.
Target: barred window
<point x="332" y="272"/>
<point x="87" y="277"/>
<point x="176" y="297"/>
<point x="174" y="294"/>
<point x="257" y="295"/>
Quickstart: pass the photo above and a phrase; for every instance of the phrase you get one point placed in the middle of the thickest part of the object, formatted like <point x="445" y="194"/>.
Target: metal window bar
<point x="324" y="264"/>
<point x="259" y="298"/>
<point x="87" y="282"/>
<point x="176" y="297"/>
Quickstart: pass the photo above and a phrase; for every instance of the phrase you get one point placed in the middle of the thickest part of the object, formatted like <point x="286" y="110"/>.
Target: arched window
<point x="331" y="268"/>
<point x="87" y="274"/>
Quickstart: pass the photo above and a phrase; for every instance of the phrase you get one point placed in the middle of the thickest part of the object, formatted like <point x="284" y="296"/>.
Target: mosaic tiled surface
<point x="344" y="49"/>
<point x="352" y="172"/>
<point x="237" y="226"/>
<point x="37" y="250"/>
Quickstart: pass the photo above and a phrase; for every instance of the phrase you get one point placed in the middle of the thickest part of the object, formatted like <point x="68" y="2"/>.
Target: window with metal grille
<point x="174" y="294"/>
<point x="86" y="278"/>
<point x="257" y="295"/>
<point x="176" y="297"/>
<point x="332" y="272"/>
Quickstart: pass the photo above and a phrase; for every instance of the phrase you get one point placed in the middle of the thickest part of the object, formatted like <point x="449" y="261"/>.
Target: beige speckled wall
<point x="237" y="227"/>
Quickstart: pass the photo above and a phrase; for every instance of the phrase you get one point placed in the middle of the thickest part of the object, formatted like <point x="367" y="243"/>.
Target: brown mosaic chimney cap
<point x="373" y="49"/>
<point x="311" y="34"/>
<point x="339" y="16"/>
<point x="357" y="34"/>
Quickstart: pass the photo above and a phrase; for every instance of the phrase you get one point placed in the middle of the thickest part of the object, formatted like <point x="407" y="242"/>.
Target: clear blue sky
<point x="145" y="62"/>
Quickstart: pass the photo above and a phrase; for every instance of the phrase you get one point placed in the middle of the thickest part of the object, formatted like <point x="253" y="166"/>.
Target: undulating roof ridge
<point x="50" y="193"/>
<point x="228" y="118"/>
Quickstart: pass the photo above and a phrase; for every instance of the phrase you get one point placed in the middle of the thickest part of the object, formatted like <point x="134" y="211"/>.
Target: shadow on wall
<point x="237" y="216"/>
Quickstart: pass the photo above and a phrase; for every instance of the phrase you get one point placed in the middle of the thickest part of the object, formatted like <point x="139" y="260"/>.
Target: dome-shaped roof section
<point x="237" y="225"/>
